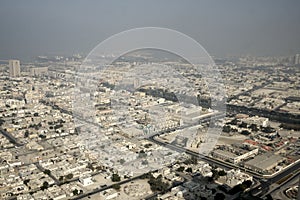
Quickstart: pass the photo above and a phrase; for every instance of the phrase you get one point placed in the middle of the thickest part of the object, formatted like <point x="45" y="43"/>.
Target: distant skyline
<point x="224" y="28"/>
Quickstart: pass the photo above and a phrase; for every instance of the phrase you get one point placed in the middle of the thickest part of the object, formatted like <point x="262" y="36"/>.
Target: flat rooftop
<point x="264" y="161"/>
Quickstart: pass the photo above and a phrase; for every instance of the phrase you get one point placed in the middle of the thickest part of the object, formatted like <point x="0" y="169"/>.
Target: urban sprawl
<point x="66" y="134"/>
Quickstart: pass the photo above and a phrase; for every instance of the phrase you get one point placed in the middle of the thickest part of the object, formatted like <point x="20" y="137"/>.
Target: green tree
<point x="47" y="171"/>
<point x="26" y="181"/>
<point x="116" y="186"/>
<point x="189" y="170"/>
<point x="226" y="128"/>
<point x="215" y="174"/>
<point x="144" y="162"/>
<point x="191" y="160"/>
<point x="122" y="161"/>
<point x="142" y="154"/>
<point x="90" y="166"/>
<point x="234" y="121"/>
<point x="1" y="122"/>
<point x="247" y="183"/>
<point x="180" y="169"/>
<point x="243" y="125"/>
<point x="222" y="173"/>
<point x="75" y="192"/>
<point x="45" y="185"/>
<point x="146" y="175"/>
<point x="219" y="196"/>
<point x="61" y="178"/>
<point x="115" y="178"/>
<point x="245" y="132"/>
<point x="157" y="184"/>
<point x="70" y="176"/>
<point x="26" y="134"/>
<point x="253" y="127"/>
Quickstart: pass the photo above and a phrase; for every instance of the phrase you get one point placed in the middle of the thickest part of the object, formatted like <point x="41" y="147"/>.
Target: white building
<point x="37" y="71"/>
<point x="235" y="177"/>
<point x="85" y="181"/>
<point x="14" y="68"/>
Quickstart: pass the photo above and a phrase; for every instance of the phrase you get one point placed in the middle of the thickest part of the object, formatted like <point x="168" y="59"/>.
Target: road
<point x="207" y="159"/>
<point x="293" y="180"/>
<point x="57" y="182"/>
<point x="259" y="190"/>
<point x="280" y="192"/>
<point x="264" y="188"/>
<point x="10" y="137"/>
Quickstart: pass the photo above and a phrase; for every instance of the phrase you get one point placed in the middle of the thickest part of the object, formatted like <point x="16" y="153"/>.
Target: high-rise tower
<point x="14" y="68"/>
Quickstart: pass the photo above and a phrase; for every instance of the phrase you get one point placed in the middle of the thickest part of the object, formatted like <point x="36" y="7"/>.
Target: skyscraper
<point x="14" y="68"/>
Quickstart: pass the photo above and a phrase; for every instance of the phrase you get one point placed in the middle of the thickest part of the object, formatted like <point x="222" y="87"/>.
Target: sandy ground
<point x="139" y="189"/>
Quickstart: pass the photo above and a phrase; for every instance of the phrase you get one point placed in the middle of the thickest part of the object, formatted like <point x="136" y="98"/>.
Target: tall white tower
<point x="14" y="68"/>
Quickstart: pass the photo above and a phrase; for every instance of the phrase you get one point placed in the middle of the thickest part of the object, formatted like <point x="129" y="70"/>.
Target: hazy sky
<point x="224" y="28"/>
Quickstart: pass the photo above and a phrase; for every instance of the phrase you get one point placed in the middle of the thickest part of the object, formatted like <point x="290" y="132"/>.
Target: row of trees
<point x="240" y="187"/>
<point x="156" y="184"/>
<point x="181" y="169"/>
<point x="253" y="127"/>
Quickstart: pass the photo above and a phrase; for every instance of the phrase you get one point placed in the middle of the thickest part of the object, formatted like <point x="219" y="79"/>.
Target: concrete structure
<point x="232" y="156"/>
<point x="235" y="177"/>
<point x="85" y="181"/>
<point x="37" y="71"/>
<point x="14" y="68"/>
<point x="264" y="163"/>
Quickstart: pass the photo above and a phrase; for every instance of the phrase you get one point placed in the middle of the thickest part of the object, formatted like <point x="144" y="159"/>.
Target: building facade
<point x="14" y="68"/>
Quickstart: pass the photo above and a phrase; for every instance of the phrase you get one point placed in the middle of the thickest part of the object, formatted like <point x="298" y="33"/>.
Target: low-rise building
<point x="234" y="155"/>
<point x="264" y="163"/>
